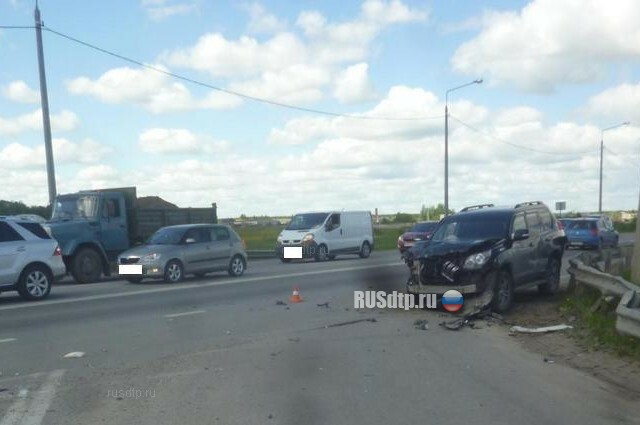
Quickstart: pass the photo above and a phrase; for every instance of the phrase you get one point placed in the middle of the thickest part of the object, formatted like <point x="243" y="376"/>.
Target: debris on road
<point x="324" y="304"/>
<point x="421" y="324"/>
<point x="280" y="302"/>
<point x="455" y="325"/>
<point x="74" y="355"/>
<point x="228" y="332"/>
<point x="546" y="360"/>
<point x="544" y="329"/>
<point x="351" y="322"/>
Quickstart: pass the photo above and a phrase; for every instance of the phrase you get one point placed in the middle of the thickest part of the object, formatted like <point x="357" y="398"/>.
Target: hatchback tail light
<point x="57" y="251"/>
<point x="594" y="231"/>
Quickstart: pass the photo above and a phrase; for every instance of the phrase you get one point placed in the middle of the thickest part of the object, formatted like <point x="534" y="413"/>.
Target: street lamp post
<point x="446" y="143"/>
<point x="601" y="155"/>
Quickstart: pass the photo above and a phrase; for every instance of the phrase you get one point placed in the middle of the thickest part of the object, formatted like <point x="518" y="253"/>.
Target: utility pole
<point x="44" y="99"/>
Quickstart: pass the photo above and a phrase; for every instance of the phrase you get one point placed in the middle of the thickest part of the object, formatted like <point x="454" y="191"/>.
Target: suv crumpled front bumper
<point x="427" y="277"/>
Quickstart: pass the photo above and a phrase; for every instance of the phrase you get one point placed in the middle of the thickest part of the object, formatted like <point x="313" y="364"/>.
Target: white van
<point x="323" y="235"/>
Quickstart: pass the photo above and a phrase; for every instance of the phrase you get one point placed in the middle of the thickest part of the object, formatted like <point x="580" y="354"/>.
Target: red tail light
<point x="560" y="227"/>
<point x="594" y="231"/>
<point x="57" y="251"/>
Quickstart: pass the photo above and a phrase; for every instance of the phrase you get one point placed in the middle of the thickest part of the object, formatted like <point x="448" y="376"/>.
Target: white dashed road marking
<point x="30" y="410"/>
<point x="187" y="313"/>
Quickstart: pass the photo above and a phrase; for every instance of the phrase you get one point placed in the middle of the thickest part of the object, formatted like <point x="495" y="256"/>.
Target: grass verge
<point x="597" y="330"/>
<point x="264" y="237"/>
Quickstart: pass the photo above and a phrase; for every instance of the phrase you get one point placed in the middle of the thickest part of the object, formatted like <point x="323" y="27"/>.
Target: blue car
<point x="591" y="232"/>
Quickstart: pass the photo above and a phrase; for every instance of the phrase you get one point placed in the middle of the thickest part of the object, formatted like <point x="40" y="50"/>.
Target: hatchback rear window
<point x="36" y="229"/>
<point x="583" y="225"/>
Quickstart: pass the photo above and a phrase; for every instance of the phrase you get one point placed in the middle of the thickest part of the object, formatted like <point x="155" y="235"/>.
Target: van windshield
<point x="306" y="221"/>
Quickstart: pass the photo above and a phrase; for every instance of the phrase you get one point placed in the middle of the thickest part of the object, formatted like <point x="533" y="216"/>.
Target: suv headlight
<point x="475" y="261"/>
<point x="308" y="237"/>
<point x="151" y="257"/>
<point x="279" y="240"/>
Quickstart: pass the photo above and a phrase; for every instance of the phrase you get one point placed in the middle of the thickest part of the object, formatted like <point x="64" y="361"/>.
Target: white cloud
<point x="263" y="22"/>
<point x="159" y="10"/>
<point x="178" y="140"/>
<point x="289" y="67"/>
<point x="63" y="121"/>
<point x="620" y="103"/>
<point x="19" y="156"/>
<point x="19" y="91"/>
<point x="152" y="90"/>
<point x="549" y="43"/>
<point x="353" y="85"/>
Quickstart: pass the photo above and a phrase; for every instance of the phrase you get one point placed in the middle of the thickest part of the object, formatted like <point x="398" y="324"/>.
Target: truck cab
<point x="92" y="228"/>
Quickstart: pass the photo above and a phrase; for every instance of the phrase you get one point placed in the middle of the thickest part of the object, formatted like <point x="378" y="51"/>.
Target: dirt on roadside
<point x="566" y="347"/>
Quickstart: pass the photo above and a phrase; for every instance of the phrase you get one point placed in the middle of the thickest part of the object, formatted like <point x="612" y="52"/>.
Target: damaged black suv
<point x="489" y="249"/>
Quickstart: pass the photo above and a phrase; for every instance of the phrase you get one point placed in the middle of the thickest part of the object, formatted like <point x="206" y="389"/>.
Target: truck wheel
<point x="35" y="283"/>
<point x="173" y="272"/>
<point x="365" y="250"/>
<point x="552" y="277"/>
<point x="503" y="296"/>
<point x="236" y="266"/>
<point x="86" y="266"/>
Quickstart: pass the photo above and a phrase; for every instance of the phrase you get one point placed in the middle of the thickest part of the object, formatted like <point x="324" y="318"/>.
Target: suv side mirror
<point x="520" y="234"/>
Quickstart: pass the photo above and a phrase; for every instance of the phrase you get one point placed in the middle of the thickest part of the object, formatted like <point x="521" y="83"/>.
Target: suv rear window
<point x="36" y="229"/>
<point x="7" y="234"/>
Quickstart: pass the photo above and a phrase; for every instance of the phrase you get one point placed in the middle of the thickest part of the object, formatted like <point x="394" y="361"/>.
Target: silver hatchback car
<point x="175" y="251"/>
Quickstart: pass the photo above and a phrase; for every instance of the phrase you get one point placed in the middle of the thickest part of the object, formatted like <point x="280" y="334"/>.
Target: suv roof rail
<point x="525" y="204"/>
<point x="476" y="207"/>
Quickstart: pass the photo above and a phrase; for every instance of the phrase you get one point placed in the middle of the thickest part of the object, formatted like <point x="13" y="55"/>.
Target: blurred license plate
<point x="130" y="268"/>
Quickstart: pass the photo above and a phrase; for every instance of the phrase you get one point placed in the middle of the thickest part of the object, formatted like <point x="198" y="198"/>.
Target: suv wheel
<point x="35" y="283"/>
<point x="503" y="296"/>
<point x="552" y="276"/>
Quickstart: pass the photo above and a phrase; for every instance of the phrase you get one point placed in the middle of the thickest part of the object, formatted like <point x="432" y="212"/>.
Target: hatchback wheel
<point x="237" y="266"/>
<point x="35" y="283"/>
<point x="552" y="276"/>
<point x="503" y="296"/>
<point x="173" y="272"/>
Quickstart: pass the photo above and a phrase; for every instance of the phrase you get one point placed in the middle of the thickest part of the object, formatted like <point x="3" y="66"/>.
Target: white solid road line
<point x="195" y="285"/>
<point x="32" y="412"/>
<point x="7" y="340"/>
<point x="187" y="313"/>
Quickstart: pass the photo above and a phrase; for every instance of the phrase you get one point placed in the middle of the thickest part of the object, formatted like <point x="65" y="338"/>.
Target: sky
<point x="289" y="106"/>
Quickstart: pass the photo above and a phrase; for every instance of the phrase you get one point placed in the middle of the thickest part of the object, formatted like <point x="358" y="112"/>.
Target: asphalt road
<point x="220" y="350"/>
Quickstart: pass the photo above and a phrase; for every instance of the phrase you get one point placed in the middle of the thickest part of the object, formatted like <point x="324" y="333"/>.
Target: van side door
<point x="334" y="233"/>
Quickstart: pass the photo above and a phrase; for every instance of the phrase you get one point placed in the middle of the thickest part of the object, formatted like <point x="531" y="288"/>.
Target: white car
<point x="30" y="259"/>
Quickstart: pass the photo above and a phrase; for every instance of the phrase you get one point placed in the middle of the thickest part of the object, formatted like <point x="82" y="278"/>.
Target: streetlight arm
<point x="446" y="95"/>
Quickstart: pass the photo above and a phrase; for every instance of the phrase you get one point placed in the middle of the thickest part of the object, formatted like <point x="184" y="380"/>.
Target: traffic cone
<point x="295" y="297"/>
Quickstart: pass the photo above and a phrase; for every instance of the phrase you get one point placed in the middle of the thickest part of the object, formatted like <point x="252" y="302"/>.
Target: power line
<point x="231" y="92"/>
<point x="477" y="130"/>
<point x="16" y="27"/>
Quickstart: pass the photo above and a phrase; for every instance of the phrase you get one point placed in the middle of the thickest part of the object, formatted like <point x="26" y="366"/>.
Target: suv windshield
<point x="69" y="207"/>
<point x="306" y="221"/>
<point x="423" y="227"/>
<point x="472" y="227"/>
<point x="166" y="236"/>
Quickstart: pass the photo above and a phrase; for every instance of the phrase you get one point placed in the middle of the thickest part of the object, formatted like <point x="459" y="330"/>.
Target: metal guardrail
<point x="261" y="253"/>
<point x="628" y="310"/>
